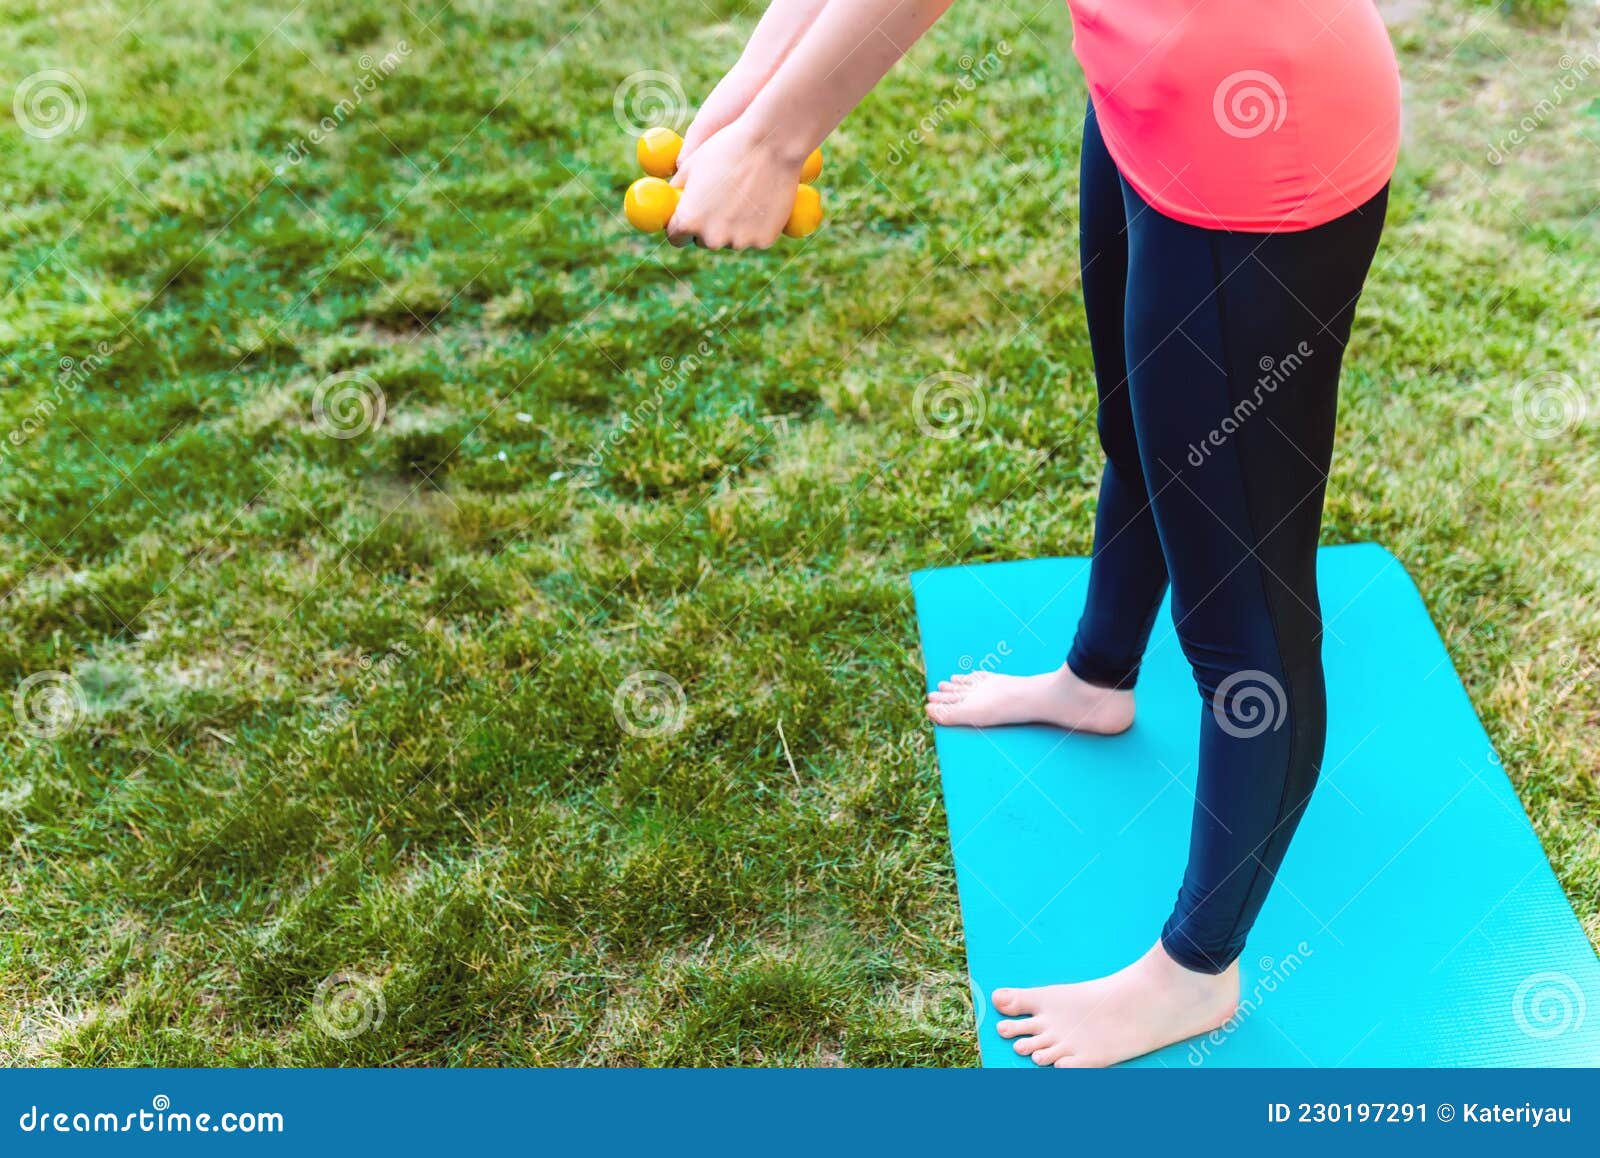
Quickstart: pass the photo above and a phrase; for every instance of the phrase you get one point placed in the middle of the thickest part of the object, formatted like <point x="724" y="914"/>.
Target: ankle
<point x="1218" y="989"/>
<point x="1071" y="677"/>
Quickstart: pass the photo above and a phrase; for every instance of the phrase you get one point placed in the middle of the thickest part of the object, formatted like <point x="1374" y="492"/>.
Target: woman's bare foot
<point x="986" y="700"/>
<point x="1151" y="1003"/>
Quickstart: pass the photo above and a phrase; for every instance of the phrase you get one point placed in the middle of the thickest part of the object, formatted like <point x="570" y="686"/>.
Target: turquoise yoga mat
<point x="1416" y="920"/>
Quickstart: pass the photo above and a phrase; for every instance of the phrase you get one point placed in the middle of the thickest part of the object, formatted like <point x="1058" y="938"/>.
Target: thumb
<point x="710" y="121"/>
<point x="706" y="122"/>
<point x="693" y="138"/>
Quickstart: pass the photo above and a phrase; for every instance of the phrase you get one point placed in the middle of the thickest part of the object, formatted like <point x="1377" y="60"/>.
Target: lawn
<point x="442" y="626"/>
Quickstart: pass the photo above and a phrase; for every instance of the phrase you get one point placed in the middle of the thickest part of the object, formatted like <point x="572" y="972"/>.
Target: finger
<point x="681" y="228"/>
<point x="691" y="142"/>
<point x="705" y="126"/>
<point x="699" y="129"/>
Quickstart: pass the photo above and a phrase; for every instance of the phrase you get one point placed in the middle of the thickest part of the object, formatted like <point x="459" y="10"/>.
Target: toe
<point x="1029" y="1045"/>
<point x="1075" y="1061"/>
<point x="1013" y="1002"/>
<point x="949" y="686"/>
<point x="1050" y="1054"/>
<point x="944" y="697"/>
<point x="1018" y="1028"/>
<point x="939" y="713"/>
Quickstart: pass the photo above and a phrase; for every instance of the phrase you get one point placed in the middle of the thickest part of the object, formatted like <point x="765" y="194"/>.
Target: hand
<point x="726" y="104"/>
<point x="738" y="191"/>
<point x="780" y="28"/>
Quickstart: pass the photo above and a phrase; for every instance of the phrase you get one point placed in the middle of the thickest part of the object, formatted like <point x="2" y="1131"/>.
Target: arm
<point x="780" y="29"/>
<point x="739" y="187"/>
<point x="843" y="56"/>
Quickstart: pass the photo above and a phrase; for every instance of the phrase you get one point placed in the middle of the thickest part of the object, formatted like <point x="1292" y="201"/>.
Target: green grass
<point x="347" y="703"/>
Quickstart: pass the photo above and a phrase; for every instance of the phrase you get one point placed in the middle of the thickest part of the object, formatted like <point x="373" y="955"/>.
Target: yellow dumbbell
<point x="806" y="215"/>
<point x="650" y="204"/>
<point x="651" y="201"/>
<point x="657" y="151"/>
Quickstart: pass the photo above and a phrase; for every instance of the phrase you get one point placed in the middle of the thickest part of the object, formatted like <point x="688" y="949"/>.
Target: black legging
<point x="1217" y="357"/>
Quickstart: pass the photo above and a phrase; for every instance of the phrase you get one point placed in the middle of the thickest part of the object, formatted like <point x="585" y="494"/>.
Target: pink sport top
<point x="1251" y="115"/>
